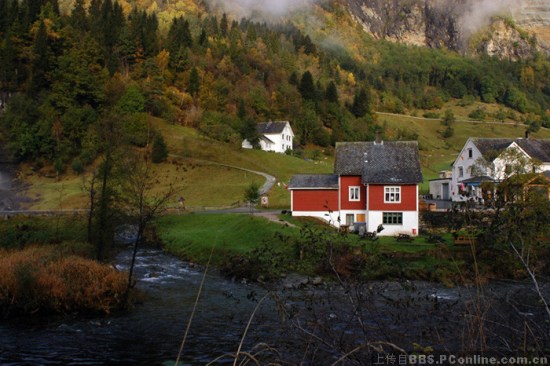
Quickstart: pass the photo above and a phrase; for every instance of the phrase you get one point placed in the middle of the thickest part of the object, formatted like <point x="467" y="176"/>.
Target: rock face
<point x="534" y="16"/>
<point x="413" y="22"/>
<point x="506" y="42"/>
<point x="453" y="24"/>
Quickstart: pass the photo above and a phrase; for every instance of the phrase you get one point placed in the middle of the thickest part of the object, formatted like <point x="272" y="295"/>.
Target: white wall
<point x="282" y="141"/>
<point x="437" y="188"/>
<point x="325" y="216"/>
<point x="511" y="156"/>
<point x="463" y="160"/>
<point x="410" y="222"/>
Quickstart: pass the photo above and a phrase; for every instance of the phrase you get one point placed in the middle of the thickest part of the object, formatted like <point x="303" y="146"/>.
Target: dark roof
<point x="271" y="127"/>
<point x="480" y="179"/>
<point x="314" y="181"/>
<point x="537" y="149"/>
<point x="395" y="162"/>
<point x="266" y="139"/>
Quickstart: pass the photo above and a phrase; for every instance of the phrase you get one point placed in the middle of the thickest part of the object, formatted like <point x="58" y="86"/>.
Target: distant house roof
<point x="266" y="139"/>
<point x="394" y="162"/>
<point x="329" y="181"/>
<point x="477" y="180"/>
<point x="536" y="148"/>
<point x="271" y="127"/>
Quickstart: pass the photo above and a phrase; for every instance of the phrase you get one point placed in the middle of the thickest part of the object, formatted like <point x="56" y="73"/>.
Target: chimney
<point x="378" y="140"/>
<point x="527" y="134"/>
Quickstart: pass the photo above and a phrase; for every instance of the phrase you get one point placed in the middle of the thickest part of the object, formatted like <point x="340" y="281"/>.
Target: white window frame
<point x="460" y="172"/>
<point x="354" y="193"/>
<point x="392" y="194"/>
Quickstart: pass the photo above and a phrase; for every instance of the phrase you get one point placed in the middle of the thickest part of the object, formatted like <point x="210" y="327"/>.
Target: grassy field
<point x="271" y="249"/>
<point x="193" y="236"/>
<point x="437" y="153"/>
<point x="194" y="163"/>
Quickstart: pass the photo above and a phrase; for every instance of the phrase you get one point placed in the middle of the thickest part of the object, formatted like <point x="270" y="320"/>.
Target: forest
<point x="68" y="77"/>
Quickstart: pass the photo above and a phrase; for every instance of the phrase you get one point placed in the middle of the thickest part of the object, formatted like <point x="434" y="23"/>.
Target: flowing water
<point x="314" y="324"/>
<point x="8" y="197"/>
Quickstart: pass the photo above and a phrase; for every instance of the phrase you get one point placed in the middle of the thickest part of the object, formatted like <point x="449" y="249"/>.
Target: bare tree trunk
<point x="533" y="279"/>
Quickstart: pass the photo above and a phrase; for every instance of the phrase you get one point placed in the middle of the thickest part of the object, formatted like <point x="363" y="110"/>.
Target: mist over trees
<point x="62" y="76"/>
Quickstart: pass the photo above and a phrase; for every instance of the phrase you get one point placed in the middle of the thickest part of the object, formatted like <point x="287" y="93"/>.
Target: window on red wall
<point x="354" y="194"/>
<point x="392" y="194"/>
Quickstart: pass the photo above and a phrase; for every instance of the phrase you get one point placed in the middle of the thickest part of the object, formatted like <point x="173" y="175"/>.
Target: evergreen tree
<point x="249" y="131"/>
<point x="361" y="104"/>
<point x="159" y="151"/>
<point x="78" y="19"/>
<point x="203" y="39"/>
<point x="224" y="27"/>
<point x="8" y="60"/>
<point x="307" y="87"/>
<point x="41" y="64"/>
<point x="332" y="93"/>
<point x="194" y="82"/>
<point x="241" y="110"/>
<point x="309" y="46"/>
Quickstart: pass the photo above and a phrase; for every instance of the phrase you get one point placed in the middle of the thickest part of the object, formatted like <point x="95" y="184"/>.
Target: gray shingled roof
<point x="537" y="149"/>
<point x="271" y="127"/>
<point x="395" y="162"/>
<point x="313" y="181"/>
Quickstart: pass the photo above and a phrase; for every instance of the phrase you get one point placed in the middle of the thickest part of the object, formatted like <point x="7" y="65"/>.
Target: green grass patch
<point x="19" y="232"/>
<point x="193" y="236"/>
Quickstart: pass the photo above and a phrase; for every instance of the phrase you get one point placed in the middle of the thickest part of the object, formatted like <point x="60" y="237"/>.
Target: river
<point x="312" y="325"/>
<point x="10" y="188"/>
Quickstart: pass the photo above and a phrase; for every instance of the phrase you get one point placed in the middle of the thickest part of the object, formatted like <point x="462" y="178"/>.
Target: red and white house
<point x="373" y="183"/>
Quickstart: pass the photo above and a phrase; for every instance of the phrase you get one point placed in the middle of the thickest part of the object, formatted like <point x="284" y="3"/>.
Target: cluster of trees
<point x="63" y="75"/>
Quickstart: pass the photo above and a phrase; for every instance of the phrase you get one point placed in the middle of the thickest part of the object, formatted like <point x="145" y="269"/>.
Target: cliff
<point x="502" y="28"/>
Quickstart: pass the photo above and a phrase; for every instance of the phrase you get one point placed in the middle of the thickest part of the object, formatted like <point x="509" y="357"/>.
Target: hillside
<point x="194" y="162"/>
<point x="81" y="86"/>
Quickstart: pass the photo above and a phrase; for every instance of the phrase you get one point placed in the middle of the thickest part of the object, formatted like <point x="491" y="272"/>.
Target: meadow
<point x="208" y="173"/>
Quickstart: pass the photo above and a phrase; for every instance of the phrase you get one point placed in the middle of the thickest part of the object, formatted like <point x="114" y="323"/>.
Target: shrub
<point x="160" y="150"/>
<point x="478" y="114"/>
<point x="77" y="166"/>
<point x="431" y="115"/>
<point x="46" y="280"/>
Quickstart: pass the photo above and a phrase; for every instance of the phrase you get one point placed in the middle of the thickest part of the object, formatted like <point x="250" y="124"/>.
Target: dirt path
<point x="269" y="179"/>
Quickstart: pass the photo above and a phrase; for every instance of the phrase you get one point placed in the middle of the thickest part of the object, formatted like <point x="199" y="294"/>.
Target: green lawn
<point x="193" y="236"/>
<point x="193" y="166"/>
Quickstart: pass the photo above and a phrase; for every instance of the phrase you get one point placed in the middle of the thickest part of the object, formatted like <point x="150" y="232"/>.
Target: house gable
<point x="492" y="155"/>
<point x="353" y="193"/>
<point x="274" y="136"/>
<point x="392" y="162"/>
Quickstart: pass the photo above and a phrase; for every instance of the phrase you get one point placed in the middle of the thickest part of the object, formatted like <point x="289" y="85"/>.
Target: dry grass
<point x="46" y="280"/>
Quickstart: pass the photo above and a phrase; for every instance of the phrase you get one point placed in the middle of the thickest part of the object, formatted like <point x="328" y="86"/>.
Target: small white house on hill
<point x="274" y="136"/>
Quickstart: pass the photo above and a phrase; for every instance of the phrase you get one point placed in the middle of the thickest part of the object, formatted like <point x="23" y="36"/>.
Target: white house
<point x="274" y="136"/>
<point x="493" y="160"/>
